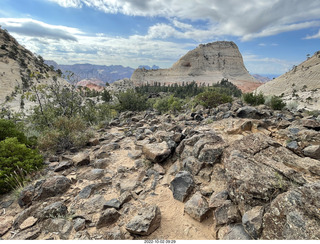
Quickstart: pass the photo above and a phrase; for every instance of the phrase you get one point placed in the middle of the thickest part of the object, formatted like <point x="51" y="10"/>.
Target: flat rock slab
<point x="197" y="207"/>
<point x="5" y="224"/>
<point x="81" y="159"/>
<point x="107" y="218"/>
<point x="146" y="222"/>
<point x="29" y="222"/>
<point x="156" y="152"/>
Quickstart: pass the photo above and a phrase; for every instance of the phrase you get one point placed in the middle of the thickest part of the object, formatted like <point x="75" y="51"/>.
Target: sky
<point x="272" y="35"/>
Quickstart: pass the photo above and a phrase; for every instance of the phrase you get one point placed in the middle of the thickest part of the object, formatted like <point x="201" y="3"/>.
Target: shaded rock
<point x="107" y="218"/>
<point x="22" y="216"/>
<point x="146" y="222"/>
<point x="197" y="207"/>
<point x="94" y="174"/>
<point x="26" y="196"/>
<point x="182" y="185"/>
<point x="57" y="209"/>
<point x="101" y="163"/>
<point x="227" y="213"/>
<point x="79" y="224"/>
<point x="52" y="187"/>
<point x="86" y="192"/>
<point x="81" y="159"/>
<point x="311" y="124"/>
<point x="62" y="226"/>
<point x="294" y="215"/>
<point x="29" y="222"/>
<point x="312" y="151"/>
<point x="63" y="165"/>
<point x="125" y="197"/>
<point x="252" y="221"/>
<point x="28" y="234"/>
<point x="6" y="204"/>
<point x="114" y="234"/>
<point x="113" y="203"/>
<point x="250" y="112"/>
<point x="93" y="142"/>
<point x="218" y="199"/>
<point x="94" y="204"/>
<point x="233" y="232"/>
<point x="156" y="152"/>
<point x="192" y="165"/>
<point x="158" y="168"/>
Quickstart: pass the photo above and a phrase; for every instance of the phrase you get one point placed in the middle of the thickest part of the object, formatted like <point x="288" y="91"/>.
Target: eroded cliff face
<point x="207" y="64"/>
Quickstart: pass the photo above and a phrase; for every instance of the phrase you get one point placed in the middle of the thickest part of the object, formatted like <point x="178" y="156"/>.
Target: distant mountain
<point x="147" y="67"/>
<point x="207" y="64"/>
<point x="103" y="73"/>
<point x="261" y="78"/>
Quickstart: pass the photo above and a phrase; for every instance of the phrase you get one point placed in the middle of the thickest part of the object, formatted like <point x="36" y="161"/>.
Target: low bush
<point x="64" y="134"/>
<point x="9" y="129"/>
<point x="212" y="98"/>
<point x="253" y="98"/>
<point x="166" y="104"/>
<point x="276" y="103"/>
<point x="16" y="160"/>
<point x="132" y="101"/>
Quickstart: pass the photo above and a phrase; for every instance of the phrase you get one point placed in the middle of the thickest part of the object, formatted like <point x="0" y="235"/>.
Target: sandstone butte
<point x="208" y="63"/>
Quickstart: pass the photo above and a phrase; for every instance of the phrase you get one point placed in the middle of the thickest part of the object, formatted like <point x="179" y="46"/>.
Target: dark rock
<point x="125" y="197"/>
<point x="182" y="185"/>
<point x="94" y="174"/>
<point x="28" y="234"/>
<point x="252" y="221"/>
<point x="86" y="191"/>
<point x="294" y="215"/>
<point x="93" y="142"/>
<point x="192" y="165"/>
<point x="250" y="112"/>
<point x="62" y="226"/>
<point x="311" y="124"/>
<point x="218" y="199"/>
<point x="197" y="207"/>
<point x="6" y="204"/>
<point x="235" y="232"/>
<point x="113" y="203"/>
<point x="107" y="218"/>
<point x="52" y="187"/>
<point x="101" y="163"/>
<point x="227" y="213"/>
<point x="26" y="196"/>
<point x="57" y="209"/>
<point x="94" y="204"/>
<point x="146" y="222"/>
<point x="63" y="165"/>
<point x="292" y="145"/>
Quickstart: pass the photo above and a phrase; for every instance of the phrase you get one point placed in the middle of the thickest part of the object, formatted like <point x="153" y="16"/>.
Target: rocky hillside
<point x="17" y="64"/>
<point x="208" y="63"/>
<point x="301" y="84"/>
<point x="103" y="73"/>
<point x="232" y="172"/>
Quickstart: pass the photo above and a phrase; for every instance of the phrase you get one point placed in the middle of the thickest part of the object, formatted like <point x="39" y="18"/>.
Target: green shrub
<point x="15" y="157"/>
<point x="253" y="98"/>
<point x="166" y="104"/>
<point x="276" y="103"/>
<point x="131" y="101"/>
<point x="9" y="129"/>
<point x="212" y="98"/>
<point x="65" y="133"/>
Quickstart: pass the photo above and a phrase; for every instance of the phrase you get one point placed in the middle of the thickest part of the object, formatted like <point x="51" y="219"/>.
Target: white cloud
<point x="267" y="65"/>
<point x="315" y="36"/>
<point x="245" y="19"/>
<point x="34" y="28"/>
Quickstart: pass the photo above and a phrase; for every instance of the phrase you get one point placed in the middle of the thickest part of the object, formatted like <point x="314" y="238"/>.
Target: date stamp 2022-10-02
<point x="160" y="241"/>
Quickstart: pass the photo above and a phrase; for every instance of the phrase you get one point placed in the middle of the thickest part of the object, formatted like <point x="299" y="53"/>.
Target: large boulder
<point x="156" y="152"/>
<point x="182" y="185"/>
<point x="146" y="222"/>
<point x="294" y="215"/>
<point x="197" y="207"/>
<point x="258" y="168"/>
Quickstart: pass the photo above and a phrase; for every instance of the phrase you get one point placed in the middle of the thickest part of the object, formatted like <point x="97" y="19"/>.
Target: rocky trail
<point x="233" y="172"/>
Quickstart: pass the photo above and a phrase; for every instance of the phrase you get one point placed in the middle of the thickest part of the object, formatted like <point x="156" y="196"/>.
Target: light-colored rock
<point x="146" y="222"/>
<point x="312" y="151"/>
<point x="156" y="152"/>
<point x="29" y="222"/>
<point x="81" y="159"/>
<point x="197" y="207"/>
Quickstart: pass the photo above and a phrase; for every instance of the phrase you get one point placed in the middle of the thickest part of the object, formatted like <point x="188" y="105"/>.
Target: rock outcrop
<point x="300" y="86"/>
<point x="208" y="64"/>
